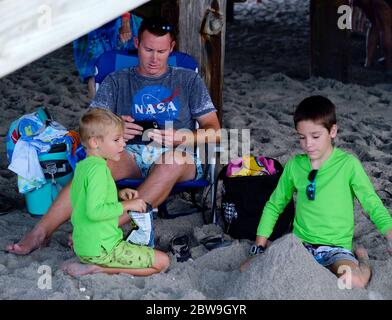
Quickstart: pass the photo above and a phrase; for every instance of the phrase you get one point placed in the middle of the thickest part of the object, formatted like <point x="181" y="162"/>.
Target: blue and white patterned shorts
<point x="146" y="156"/>
<point x="327" y="255"/>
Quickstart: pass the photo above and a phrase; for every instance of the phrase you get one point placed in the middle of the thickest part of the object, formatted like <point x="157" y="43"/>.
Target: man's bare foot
<point x="79" y="269"/>
<point x="35" y="239"/>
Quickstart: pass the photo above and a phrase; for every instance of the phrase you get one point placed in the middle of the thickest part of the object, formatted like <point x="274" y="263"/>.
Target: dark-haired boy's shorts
<point x="328" y="255"/>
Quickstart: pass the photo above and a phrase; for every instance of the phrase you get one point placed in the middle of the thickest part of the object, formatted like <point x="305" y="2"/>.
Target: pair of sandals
<point x="179" y="245"/>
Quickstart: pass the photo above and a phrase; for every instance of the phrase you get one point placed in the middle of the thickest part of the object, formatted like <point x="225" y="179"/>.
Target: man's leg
<point x="372" y="40"/>
<point x="125" y="168"/>
<point x="60" y="210"/>
<point x="165" y="174"/>
<point x="373" y="33"/>
<point x="384" y="18"/>
<point x="58" y="213"/>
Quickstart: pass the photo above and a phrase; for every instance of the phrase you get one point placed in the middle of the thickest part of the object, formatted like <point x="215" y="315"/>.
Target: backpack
<point x="243" y="199"/>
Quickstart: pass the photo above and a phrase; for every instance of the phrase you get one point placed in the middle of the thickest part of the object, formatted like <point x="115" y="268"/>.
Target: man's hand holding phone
<point x="131" y="129"/>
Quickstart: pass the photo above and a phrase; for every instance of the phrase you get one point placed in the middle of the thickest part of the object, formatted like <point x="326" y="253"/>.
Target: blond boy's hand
<point x="128" y="194"/>
<point x="135" y="205"/>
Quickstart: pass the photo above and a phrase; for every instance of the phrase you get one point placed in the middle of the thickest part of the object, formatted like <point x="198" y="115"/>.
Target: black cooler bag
<point x="243" y="201"/>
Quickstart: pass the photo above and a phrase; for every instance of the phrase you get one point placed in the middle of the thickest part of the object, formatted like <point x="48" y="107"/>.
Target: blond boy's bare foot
<point x="79" y="269"/>
<point x="33" y="240"/>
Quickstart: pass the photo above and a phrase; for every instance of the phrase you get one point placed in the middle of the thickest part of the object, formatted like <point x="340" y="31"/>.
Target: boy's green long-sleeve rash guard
<point x="96" y="208"/>
<point x="329" y="219"/>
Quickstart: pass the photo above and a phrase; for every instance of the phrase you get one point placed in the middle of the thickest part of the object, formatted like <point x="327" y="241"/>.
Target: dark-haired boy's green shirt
<point x="329" y="219"/>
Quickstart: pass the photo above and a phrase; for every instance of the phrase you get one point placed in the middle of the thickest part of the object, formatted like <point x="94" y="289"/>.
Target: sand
<point x="266" y="75"/>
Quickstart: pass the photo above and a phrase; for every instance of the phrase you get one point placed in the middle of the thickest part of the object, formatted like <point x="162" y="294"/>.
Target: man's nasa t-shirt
<point x="179" y="95"/>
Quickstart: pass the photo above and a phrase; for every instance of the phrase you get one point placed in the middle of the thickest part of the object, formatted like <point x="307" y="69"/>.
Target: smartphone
<point x="146" y="126"/>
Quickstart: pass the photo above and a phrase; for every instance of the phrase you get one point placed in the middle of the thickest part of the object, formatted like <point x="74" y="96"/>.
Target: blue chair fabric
<point x="111" y="61"/>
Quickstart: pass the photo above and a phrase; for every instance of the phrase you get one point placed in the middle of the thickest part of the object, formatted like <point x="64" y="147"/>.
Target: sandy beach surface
<point x="266" y="76"/>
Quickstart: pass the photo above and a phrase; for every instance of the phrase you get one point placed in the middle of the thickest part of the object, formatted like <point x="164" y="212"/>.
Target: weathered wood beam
<point x="30" y="29"/>
<point x="330" y="46"/>
<point x="202" y="30"/>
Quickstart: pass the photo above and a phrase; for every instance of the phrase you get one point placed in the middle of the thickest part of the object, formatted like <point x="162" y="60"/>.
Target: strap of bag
<point x="220" y="176"/>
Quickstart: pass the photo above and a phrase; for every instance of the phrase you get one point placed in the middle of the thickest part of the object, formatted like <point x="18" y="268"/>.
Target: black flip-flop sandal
<point x="216" y="241"/>
<point x="179" y="246"/>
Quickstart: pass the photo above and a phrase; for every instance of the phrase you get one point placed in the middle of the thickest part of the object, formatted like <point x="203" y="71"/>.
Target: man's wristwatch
<point x="255" y="250"/>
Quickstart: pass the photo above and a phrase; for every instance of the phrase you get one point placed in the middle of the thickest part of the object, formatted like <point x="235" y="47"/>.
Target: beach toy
<point x="250" y="166"/>
<point x="268" y="164"/>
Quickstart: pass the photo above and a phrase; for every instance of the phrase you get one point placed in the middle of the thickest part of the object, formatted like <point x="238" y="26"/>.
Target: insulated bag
<point x="243" y="199"/>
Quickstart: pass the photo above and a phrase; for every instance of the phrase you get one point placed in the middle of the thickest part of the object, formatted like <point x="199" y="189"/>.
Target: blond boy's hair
<point x="97" y="122"/>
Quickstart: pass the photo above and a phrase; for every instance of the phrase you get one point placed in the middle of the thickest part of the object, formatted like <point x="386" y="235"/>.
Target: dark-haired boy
<point x="326" y="180"/>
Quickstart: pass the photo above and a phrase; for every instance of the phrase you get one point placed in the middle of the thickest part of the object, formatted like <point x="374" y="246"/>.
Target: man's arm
<point x="209" y="129"/>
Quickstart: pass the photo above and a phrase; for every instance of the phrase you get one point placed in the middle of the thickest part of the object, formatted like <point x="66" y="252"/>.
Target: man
<point x="379" y="13"/>
<point x="152" y="90"/>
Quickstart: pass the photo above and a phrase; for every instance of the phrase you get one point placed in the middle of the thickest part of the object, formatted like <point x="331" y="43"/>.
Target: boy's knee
<point x="162" y="261"/>
<point x="357" y="278"/>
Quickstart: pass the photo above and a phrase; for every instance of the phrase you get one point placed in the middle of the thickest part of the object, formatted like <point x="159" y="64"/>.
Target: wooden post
<point x="202" y="30"/>
<point x="30" y="29"/>
<point x="330" y="46"/>
<point x="230" y="11"/>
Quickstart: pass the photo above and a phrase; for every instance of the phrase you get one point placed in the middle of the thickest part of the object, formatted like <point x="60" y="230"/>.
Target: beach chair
<point x="116" y="60"/>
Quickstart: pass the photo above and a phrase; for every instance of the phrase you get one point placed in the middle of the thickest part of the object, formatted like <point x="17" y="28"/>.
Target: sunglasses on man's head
<point x="311" y="187"/>
<point x="163" y="26"/>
